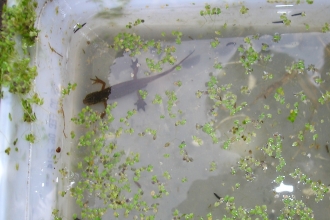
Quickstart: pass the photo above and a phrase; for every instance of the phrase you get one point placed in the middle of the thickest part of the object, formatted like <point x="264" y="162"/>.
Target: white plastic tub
<point x="65" y="55"/>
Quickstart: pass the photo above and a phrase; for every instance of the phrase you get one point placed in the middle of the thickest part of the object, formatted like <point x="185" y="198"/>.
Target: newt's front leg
<point x="97" y="80"/>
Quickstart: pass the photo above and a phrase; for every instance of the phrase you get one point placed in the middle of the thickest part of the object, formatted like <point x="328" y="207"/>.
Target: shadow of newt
<point x="122" y="89"/>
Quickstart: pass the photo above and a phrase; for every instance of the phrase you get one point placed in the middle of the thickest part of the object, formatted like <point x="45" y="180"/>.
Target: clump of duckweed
<point x="285" y="19"/>
<point x="276" y="37"/>
<point x="324" y="98"/>
<point x="154" y="67"/>
<point x="249" y="56"/>
<point x="30" y="138"/>
<point x="129" y="42"/>
<point x="210" y="11"/>
<point x="7" y="150"/>
<point x="243" y="10"/>
<point x="240" y="132"/>
<point x="181" y="122"/>
<point x="241" y="212"/>
<point x="223" y="97"/>
<point x="125" y="120"/>
<point x="16" y="72"/>
<point x="273" y="148"/>
<point x="293" y="113"/>
<point x="177" y="215"/>
<point x="208" y="129"/>
<point x="71" y="87"/>
<point x="106" y="171"/>
<point x="152" y="132"/>
<point x="319" y="189"/>
<point x="29" y="115"/>
<point x="296" y="67"/>
<point x="135" y="23"/>
<point x="217" y="66"/>
<point x="157" y="100"/>
<point x="213" y="166"/>
<point x="280" y="95"/>
<point x="134" y="44"/>
<point x="196" y="140"/>
<point x="326" y="27"/>
<point x="178" y="35"/>
<point x="248" y="165"/>
<point x="294" y="208"/>
<point x="143" y="94"/>
<point x="215" y="43"/>
<point x="172" y="99"/>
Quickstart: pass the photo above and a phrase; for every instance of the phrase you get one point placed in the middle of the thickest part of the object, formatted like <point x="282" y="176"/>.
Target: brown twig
<point x="53" y="50"/>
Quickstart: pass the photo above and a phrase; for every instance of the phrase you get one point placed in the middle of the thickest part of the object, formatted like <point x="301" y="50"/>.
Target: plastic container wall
<point x="31" y="192"/>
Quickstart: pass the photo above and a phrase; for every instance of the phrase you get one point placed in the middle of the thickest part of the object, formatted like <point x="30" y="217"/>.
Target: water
<point x="192" y="184"/>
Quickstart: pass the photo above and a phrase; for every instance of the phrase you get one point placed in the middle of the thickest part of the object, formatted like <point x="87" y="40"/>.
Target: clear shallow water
<point x="196" y="194"/>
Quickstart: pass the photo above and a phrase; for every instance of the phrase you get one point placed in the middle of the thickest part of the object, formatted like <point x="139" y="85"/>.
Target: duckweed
<point x="157" y="99"/>
<point x="29" y="115"/>
<point x="326" y="28"/>
<point x="293" y="113"/>
<point x="244" y="10"/>
<point x="178" y="83"/>
<point x="295" y="209"/>
<point x="215" y="43"/>
<point x="217" y="66"/>
<point x="213" y="166"/>
<point x="30" y="138"/>
<point x="210" y="10"/>
<point x="181" y="122"/>
<point x="70" y="87"/>
<point x="197" y="140"/>
<point x="15" y="71"/>
<point x="7" y="150"/>
<point x="276" y="37"/>
<point x="172" y="98"/>
<point x="135" y="23"/>
<point x="178" y="35"/>
<point x="241" y="212"/>
<point x="285" y="19"/>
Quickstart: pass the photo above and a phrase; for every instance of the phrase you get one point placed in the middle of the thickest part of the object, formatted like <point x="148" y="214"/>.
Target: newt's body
<point x="124" y="88"/>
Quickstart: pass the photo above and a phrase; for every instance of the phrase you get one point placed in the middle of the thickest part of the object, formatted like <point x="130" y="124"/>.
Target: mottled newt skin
<point x="122" y="89"/>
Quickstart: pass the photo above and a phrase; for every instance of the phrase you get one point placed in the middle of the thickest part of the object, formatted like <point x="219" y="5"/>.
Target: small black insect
<point x="77" y="27"/>
<point x="297" y="14"/>
<point x="278" y="22"/>
<point x="216" y="195"/>
<point x="231" y="43"/>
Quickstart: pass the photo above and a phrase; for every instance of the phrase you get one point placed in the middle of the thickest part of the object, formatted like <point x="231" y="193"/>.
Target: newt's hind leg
<point x="105" y="106"/>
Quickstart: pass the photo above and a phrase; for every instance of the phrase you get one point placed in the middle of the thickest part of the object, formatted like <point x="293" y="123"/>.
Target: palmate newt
<point x="122" y="89"/>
